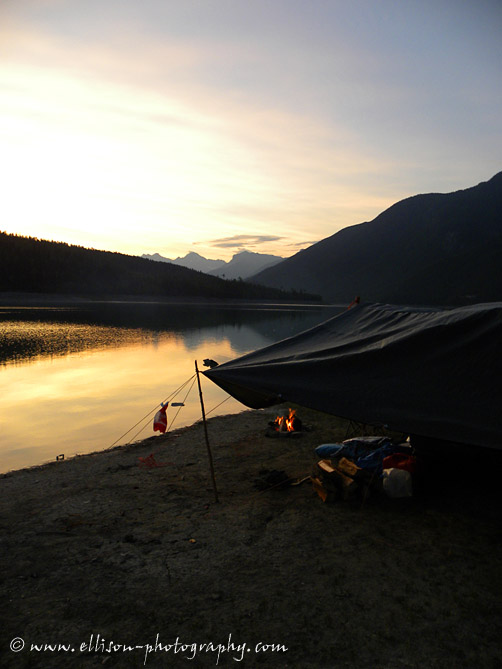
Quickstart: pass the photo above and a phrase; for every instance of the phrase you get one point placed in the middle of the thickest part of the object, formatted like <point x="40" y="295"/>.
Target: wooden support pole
<point x="209" y="454"/>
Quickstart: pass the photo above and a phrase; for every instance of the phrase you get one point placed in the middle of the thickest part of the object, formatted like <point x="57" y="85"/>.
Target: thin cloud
<point x="307" y="243"/>
<point x="239" y="241"/>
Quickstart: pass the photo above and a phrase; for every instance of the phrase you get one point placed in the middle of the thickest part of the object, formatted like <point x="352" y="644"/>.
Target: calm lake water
<point x="77" y="378"/>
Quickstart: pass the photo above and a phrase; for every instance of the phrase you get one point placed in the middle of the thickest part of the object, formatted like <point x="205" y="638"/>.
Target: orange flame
<point x="285" y="423"/>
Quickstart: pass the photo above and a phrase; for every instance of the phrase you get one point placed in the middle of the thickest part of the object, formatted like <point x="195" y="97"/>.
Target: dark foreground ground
<point x="97" y="550"/>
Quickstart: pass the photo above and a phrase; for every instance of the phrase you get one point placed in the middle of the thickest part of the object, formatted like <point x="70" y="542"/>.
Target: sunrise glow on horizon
<point x="172" y="127"/>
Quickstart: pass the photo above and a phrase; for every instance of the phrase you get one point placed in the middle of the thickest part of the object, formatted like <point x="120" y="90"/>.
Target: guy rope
<point x="160" y="424"/>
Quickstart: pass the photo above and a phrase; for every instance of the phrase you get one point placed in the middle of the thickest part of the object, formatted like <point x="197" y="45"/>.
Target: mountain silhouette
<point x="437" y="249"/>
<point x="192" y="260"/>
<point x="245" y="264"/>
<point x="242" y="265"/>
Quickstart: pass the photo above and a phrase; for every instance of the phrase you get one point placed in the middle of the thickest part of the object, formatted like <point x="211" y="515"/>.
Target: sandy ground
<point x="97" y="549"/>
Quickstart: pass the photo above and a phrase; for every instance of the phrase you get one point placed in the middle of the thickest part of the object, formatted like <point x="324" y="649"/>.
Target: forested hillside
<point x="32" y="265"/>
<point x="436" y="248"/>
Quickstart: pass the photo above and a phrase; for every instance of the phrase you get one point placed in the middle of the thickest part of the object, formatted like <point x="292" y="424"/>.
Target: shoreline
<point x="97" y="545"/>
<point x="59" y="334"/>
<point x="58" y="299"/>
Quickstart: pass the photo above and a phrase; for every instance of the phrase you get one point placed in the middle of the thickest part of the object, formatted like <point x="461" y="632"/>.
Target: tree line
<point x="28" y="264"/>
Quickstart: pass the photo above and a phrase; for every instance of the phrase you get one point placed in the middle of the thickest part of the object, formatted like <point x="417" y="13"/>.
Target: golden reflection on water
<point x="28" y="340"/>
<point x="83" y="401"/>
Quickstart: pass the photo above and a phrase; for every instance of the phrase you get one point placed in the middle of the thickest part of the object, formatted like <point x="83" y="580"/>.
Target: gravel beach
<point x="108" y="561"/>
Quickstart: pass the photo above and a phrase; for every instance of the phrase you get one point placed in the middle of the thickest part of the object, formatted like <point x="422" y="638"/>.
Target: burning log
<point x="289" y="423"/>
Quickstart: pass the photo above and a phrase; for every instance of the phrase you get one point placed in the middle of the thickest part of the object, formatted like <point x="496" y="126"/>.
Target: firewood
<point x="348" y="467"/>
<point x="346" y="485"/>
<point x="326" y="467"/>
<point x="326" y="493"/>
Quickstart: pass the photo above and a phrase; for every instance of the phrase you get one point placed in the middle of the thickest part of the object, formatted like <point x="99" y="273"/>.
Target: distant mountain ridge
<point x="242" y="265"/>
<point x="192" y="260"/>
<point x="437" y="249"/>
<point x="246" y="264"/>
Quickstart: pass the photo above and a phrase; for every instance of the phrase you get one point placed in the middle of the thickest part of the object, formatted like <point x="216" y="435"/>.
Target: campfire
<point x="288" y="425"/>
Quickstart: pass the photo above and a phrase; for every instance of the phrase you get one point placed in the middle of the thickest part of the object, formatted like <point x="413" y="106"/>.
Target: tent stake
<point x="206" y="435"/>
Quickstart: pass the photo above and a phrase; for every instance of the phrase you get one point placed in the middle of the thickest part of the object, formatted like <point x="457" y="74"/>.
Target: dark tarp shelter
<point x="429" y="372"/>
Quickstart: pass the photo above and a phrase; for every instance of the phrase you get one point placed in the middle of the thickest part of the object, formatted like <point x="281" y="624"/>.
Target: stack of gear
<point x="361" y="464"/>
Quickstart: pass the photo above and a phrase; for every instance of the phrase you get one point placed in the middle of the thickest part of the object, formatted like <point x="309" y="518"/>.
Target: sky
<point x="217" y="126"/>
